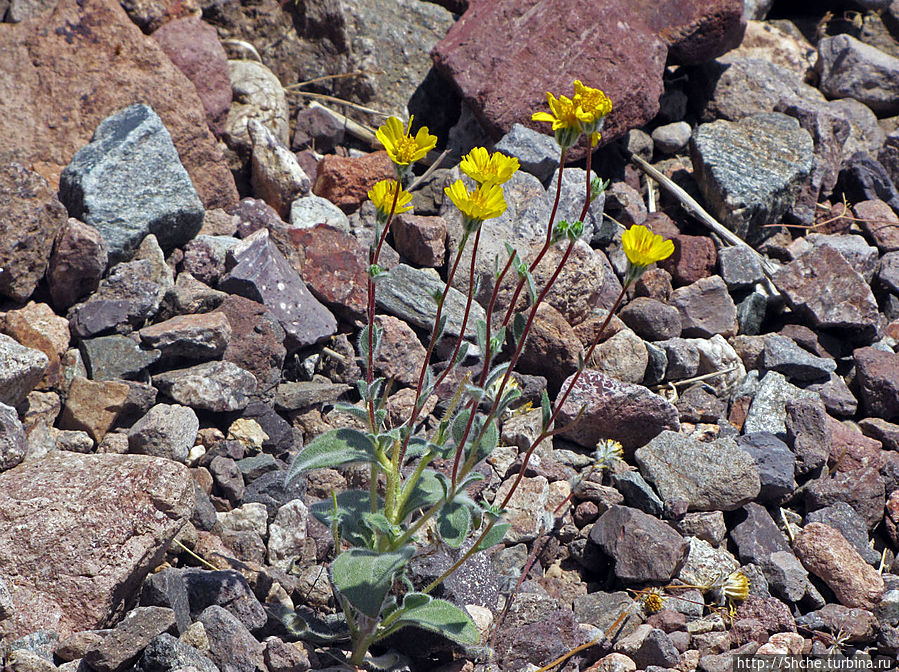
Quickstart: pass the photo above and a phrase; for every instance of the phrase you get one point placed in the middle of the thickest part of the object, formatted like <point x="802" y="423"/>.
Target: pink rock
<point x="59" y="79"/>
<point x="825" y="552"/>
<point x="625" y="412"/>
<point x="77" y="264"/>
<point x="695" y="31"/>
<point x="401" y="354"/>
<point x="37" y="326"/>
<point x="422" y="240"/>
<point x="851" y="450"/>
<point x="345" y="181"/>
<point x="706" y="308"/>
<point x="32" y="216"/>
<point x="194" y="47"/>
<point x="877" y="375"/>
<point x="98" y="536"/>
<point x="335" y="267"/>
<point x="694" y="258"/>
<point x="880" y="224"/>
<point x="551" y="349"/>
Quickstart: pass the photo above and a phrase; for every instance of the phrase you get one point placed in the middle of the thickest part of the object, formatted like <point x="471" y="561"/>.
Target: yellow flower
<point x="483" y="167"/>
<point x="485" y="202"/>
<point x="592" y="102"/>
<point x="402" y="148"/>
<point x="382" y="195"/>
<point x="643" y="247"/>
<point x="736" y="586"/>
<point x="653" y="601"/>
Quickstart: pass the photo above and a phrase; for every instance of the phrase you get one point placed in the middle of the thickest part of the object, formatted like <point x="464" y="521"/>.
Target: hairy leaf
<point x="364" y="578"/>
<point x="332" y="449"/>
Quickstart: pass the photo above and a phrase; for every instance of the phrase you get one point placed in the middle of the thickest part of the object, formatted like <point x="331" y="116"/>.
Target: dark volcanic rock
<point x="877" y="375"/>
<point x="78" y="262"/>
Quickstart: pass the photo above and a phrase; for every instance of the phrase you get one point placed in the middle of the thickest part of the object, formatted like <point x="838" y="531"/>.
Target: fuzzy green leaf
<point x="438" y="616"/>
<point x="453" y="523"/>
<point x="494" y="536"/>
<point x="352" y="505"/>
<point x="364" y="578"/>
<point x="333" y="449"/>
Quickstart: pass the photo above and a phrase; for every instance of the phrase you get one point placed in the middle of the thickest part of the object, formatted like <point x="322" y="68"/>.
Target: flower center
<point x="406" y="148"/>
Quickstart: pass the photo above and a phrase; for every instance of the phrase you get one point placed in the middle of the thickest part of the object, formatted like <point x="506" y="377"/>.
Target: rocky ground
<point x="183" y="264"/>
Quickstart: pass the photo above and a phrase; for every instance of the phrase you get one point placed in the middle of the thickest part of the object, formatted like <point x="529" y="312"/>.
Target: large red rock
<point x="543" y="45"/>
<point x="64" y="72"/>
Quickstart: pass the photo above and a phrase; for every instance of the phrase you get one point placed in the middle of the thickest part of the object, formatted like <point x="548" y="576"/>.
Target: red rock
<point x="862" y="489"/>
<point x="257" y="340"/>
<point x="551" y="349"/>
<point x="851" y="450"/>
<point x="877" y="375"/>
<point x="825" y="552"/>
<point x="335" y="268"/>
<point x="695" y="31"/>
<point x="345" y="181"/>
<point x="194" y="47"/>
<point x="69" y="69"/>
<point x="706" y="308"/>
<point x="694" y="258"/>
<point x="759" y="617"/>
<point x="401" y="354"/>
<point x="422" y="240"/>
<point x="77" y="264"/>
<point x="32" y="216"/>
<point x="880" y="224"/>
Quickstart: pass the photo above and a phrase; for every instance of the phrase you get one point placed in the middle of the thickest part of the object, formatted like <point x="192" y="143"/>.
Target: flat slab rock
<point x="81" y="532"/>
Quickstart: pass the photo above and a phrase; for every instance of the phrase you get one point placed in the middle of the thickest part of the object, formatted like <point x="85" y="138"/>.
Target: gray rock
<point x="706" y="525"/>
<point x="864" y="178"/>
<point x="706" y="308"/>
<point x="598" y="230"/>
<point x="261" y="273"/>
<point x="167" y="654"/>
<point x="767" y="412"/>
<point x="738" y="267"/>
<point x="271" y="490"/>
<point x="808" y="433"/>
<point x="231" y="646"/>
<point x="650" y="648"/>
<point x="211" y="386"/>
<point x="257" y="94"/>
<point x="651" y="319"/>
<point x="275" y="173"/>
<point x="865" y="133"/>
<point x="749" y="171"/>
<point x="115" y="357"/>
<point x="785" y="575"/>
<point x="638" y="493"/>
<point x="758" y="536"/>
<point x="129" y="182"/>
<point x="302" y="394"/>
<point x="165" y="431"/>
<point x="12" y="438"/>
<point x="682" y="356"/>
<point x="537" y="153"/>
<point x="189" y="296"/>
<point x="311" y="210"/>
<point x="601" y="609"/>
<point x="129" y="295"/>
<point x="202" y="336"/>
<point x="227" y="589"/>
<point x="672" y="138"/>
<point x="125" y="642"/>
<point x="781" y="354"/>
<point x="704" y="562"/>
<point x="657" y="363"/>
<point x="775" y="462"/>
<point x="166" y="588"/>
<point x="407" y="293"/>
<point x="21" y="369"/>
<point x="751" y="313"/>
<point x="690" y="475"/>
<point x="642" y="546"/>
<point x="849" y="68"/>
<point x="611" y="409"/>
<point x="205" y="257"/>
<point x="843" y="517"/>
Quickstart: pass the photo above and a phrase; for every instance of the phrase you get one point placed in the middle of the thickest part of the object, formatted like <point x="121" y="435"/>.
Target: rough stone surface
<point x="35" y="325"/>
<point x="783" y="355"/>
<point x="624" y="357"/>
<point x="212" y="386"/>
<point x="203" y="336"/>
<point x="165" y="431"/>
<point x="114" y="357"/>
<point x="257" y="94"/>
<point x="767" y="413"/>
<point x="643" y="547"/>
<point x="261" y="273"/>
<point x="166" y="653"/>
<point x="127" y="640"/>
<point x="135" y="504"/>
<point x="849" y="68"/>
<point x="257" y="340"/>
<point x="694" y="476"/>
<point x="877" y="376"/>
<point x="420" y="239"/>
<point x="842" y="517"/>
<point x="808" y="433"/>
<point x="32" y="218"/>
<point x="275" y="173"/>
<point x="706" y="308"/>
<point x="94" y="406"/>
<point x="651" y="319"/>
<point x="826" y="553"/>
<point x="12" y="439"/>
<point x="776" y="464"/>
<point x="749" y="170"/>
<point x="129" y="182"/>
<point x="345" y="181"/>
<point x="21" y="369"/>
<point x="311" y="210"/>
<point x="78" y="261"/>
<point x="627" y="413"/>
<point x="231" y="645"/>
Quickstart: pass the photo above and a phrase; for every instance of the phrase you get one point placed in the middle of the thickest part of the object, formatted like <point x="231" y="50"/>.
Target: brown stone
<point x="194" y="47"/>
<point x="345" y="181"/>
<point x="694" y="258"/>
<point x="825" y="552"/>
<point x="335" y="267"/>
<point x="851" y="450"/>
<point x="401" y="354"/>
<point x="203" y="336"/>
<point x="551" y="349"/>
<point x="72" y="67"/>
<point x="257" y="340"/>
<point x="706" y="308"/>
<point x="37" y="326"/>
<point x="880" y="224"/>
<point x="32" y="216"/>
<point x="77" y="264"/>
<point x="75" y="556"/>
<point x="877" y="375"/>
<point x="422" y="240"/>
<point x="93" y="406"/>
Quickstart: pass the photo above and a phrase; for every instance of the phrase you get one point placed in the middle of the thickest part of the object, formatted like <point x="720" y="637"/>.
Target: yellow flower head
<point x="401" y="147"/>
<point x="483" y="167"/>
<point x="592" y="102"/>
<point x="643" y="247"/>
<point x="485" y="202"/>
<point x="736" y="586"/>
<point x="653" y="601"/>
<point x="382" y="195"/>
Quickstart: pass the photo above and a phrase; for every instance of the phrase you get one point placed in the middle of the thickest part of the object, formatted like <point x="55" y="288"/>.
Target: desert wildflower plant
<point x="408" y="503"/>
